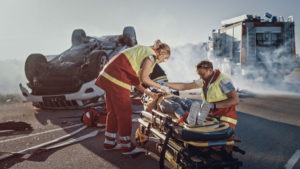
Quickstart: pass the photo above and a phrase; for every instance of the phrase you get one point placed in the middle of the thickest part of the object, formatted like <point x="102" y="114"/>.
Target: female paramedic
<point x="129" y="68"/>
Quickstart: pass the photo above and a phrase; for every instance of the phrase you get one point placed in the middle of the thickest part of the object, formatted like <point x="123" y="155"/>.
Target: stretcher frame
<point x="161" y="129"/>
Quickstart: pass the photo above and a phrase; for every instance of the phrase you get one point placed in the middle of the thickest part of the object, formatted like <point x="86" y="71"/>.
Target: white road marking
<point x="35" y="134"/>
<point x="75" y="140"/>
<point x="293" y="160"/>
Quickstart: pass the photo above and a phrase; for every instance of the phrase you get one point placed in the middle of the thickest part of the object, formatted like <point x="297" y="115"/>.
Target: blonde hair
<point x="158" y="45"/>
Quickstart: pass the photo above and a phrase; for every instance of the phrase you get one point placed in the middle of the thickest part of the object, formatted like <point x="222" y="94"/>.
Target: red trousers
<point x="119" y="113"/>
<point x="227" y="115"/>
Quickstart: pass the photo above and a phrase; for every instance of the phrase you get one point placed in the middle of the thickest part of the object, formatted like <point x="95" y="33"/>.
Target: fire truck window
<point x="268" y="39"/>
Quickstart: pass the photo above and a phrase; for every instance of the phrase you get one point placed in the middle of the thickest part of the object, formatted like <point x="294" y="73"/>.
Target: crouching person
<point x="218" y="94"/>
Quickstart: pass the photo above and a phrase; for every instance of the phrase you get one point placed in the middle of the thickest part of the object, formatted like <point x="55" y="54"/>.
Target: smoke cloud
<point x="180" y="68"/>
<point x="12" y="73"/>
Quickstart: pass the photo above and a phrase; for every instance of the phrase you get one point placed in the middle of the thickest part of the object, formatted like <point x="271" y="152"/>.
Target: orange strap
<point x="182" y="118"/>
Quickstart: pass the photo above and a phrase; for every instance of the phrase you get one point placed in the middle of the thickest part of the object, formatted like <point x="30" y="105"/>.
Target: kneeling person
<point x="218" y="92"/>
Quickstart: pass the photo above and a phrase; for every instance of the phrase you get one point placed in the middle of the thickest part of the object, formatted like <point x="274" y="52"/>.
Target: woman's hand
<point x="153" y="95"/>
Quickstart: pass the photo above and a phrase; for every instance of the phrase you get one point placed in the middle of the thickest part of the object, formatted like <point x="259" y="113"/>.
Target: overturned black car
<point x="66" y="81"/>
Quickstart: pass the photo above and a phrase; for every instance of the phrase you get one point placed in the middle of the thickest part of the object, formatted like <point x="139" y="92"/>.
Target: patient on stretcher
<point x="193" y="125"/>
<point x="176" y="105"/>
<point x="183" y="109"/>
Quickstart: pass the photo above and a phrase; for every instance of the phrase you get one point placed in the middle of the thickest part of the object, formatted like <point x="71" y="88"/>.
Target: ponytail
<point x="158" y="45"/>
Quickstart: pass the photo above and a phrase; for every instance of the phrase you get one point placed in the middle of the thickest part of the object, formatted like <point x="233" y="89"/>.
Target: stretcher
<point x="183" y="146"/>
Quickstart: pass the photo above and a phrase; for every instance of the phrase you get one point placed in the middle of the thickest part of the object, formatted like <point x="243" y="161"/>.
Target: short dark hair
<point x="205" y="64"/>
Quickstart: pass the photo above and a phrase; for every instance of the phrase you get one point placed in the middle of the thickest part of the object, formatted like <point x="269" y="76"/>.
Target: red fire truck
<point x="256" y="47"/>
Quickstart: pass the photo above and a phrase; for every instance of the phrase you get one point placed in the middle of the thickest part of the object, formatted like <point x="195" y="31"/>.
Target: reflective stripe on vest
<point x="160" y="78"/>
<point x="229" y="120"/>
<point x="214" y="92"/>
<point x="116" y="81"/>
<point x="136" y="56"/>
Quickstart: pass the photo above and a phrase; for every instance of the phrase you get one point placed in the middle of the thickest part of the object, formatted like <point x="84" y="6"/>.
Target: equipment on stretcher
<point x="210" y="145"/>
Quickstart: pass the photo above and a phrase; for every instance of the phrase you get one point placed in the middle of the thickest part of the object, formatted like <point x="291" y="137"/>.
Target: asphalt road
<point x="269" y="127"/>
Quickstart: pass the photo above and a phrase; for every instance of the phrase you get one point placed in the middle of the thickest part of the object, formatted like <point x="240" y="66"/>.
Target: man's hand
<point x="165" y="89"/>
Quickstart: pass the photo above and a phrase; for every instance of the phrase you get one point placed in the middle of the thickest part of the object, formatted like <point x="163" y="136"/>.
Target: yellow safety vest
<point x="214" y="92"/>
<point x="137" y="54"/>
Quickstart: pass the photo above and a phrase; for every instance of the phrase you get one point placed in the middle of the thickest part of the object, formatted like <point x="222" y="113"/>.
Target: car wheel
<point x="34" y="65"/>
<point x="95" y="63"/>
<point x="129" y="36"/>
<point x="78" y="37"/>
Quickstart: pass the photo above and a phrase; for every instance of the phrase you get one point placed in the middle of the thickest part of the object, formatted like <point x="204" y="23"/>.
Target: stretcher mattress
<point x="212" y="130"/>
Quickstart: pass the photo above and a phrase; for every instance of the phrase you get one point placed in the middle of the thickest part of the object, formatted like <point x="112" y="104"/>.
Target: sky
<point x="46" y="26"/>
<point x="40" y="26"/>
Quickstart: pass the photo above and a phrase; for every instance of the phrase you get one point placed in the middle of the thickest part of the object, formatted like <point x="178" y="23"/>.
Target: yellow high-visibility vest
<point x="137" y="54"/>
<point x="214" y="92"/>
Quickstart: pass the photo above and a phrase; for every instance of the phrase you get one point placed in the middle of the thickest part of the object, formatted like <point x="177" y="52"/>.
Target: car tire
<point x="34" y="65"/>
<point x="95" y="63"/>
<point x="78" y="37"/>
<point x="129" y="36"/>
